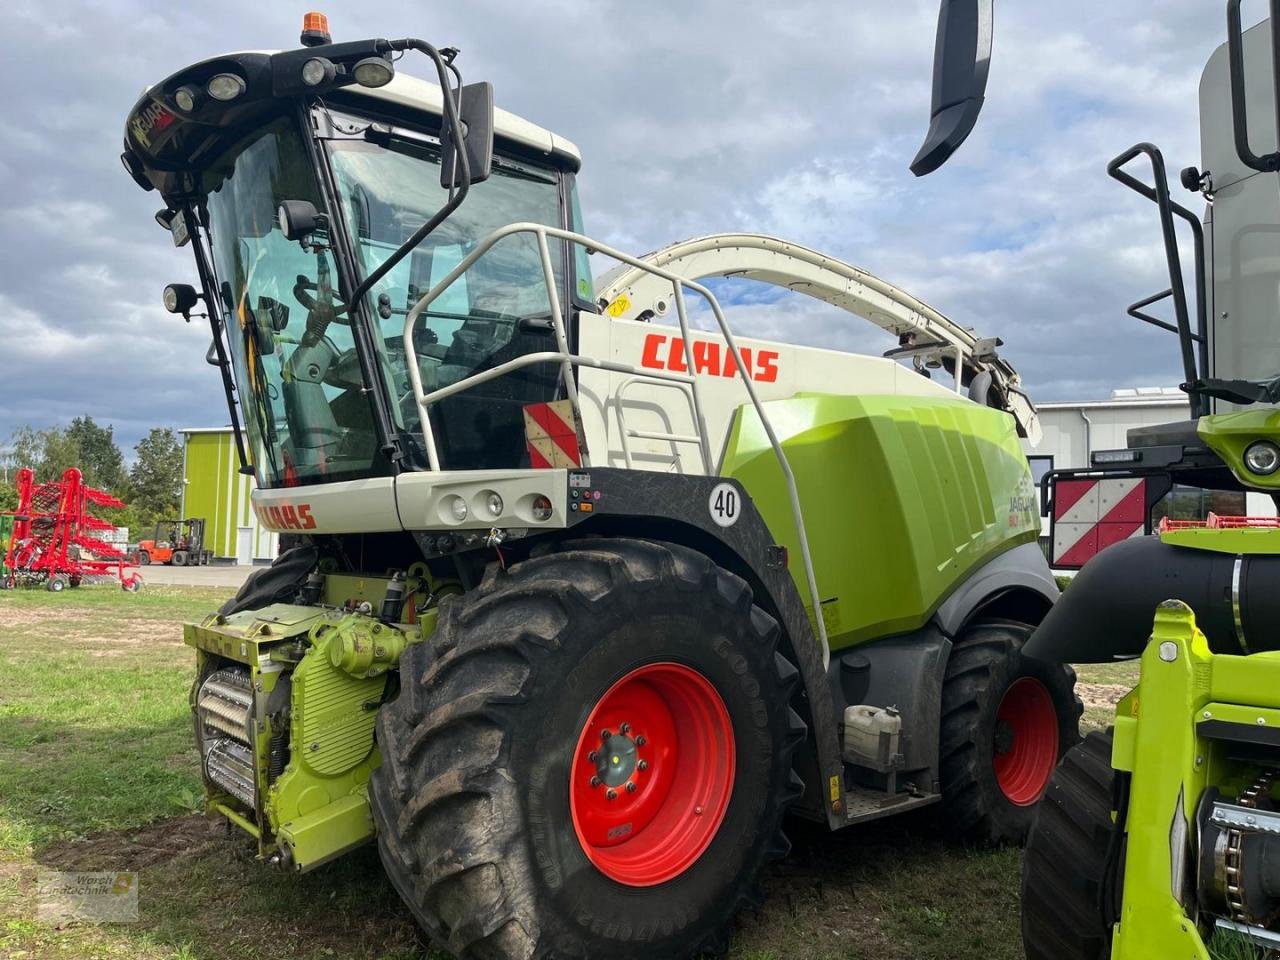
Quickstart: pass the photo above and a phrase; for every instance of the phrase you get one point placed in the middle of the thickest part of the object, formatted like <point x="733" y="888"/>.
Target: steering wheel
<point x="334" y="311"/>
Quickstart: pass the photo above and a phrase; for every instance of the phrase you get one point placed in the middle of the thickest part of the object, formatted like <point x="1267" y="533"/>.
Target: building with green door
<point x="214" y="489"/>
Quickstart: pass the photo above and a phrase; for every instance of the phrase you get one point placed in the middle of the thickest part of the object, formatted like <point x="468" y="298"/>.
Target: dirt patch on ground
<point x="132" y="633"/>
<point x="12" y="617"/>
<point x="149" y="846"/>
<point x="1101" y="695"/>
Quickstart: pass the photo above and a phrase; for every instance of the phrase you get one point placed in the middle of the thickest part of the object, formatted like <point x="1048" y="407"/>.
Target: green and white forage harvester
<point x="1161" y="837"/>
<point x="580" y="598"/>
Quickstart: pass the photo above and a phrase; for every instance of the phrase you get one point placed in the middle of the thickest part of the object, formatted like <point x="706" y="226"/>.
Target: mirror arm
<point x="464" y="165"/>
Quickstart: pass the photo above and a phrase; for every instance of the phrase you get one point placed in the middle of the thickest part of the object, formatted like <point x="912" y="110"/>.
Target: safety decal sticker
<point x="1090" y="515"/>
<point x="553" y="435"/>
<point x="725" y="503"/>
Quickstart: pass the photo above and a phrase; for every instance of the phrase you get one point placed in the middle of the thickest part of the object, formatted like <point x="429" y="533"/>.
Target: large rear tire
<point x="1068" y="859"/>
<point x="1006" y="722"/>
<point x="144" y="558"/>
<point x="493" y="802"/>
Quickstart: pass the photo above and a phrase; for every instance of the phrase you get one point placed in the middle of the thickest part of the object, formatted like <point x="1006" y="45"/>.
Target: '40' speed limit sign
<point x="725" y="504"/>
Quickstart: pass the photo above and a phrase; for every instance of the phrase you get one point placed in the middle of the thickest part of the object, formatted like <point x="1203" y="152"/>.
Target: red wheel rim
<point x="1026" y="748"/>
<point x="652" y="774"/>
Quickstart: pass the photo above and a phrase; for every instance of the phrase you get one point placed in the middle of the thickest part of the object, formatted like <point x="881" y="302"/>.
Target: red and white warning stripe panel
<point x="553" y="435"/>
<point x="1091" y="515"/>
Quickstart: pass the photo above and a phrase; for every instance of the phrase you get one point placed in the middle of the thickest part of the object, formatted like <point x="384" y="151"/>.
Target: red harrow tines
<point x="53" y="538"/>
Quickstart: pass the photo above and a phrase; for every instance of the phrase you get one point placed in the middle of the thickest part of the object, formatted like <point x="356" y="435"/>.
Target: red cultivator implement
<point x="54" y="540"/>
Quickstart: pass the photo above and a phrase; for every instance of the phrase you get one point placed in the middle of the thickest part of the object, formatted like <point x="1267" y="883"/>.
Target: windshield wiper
<point x="522" y="173"/>
<point x="423" y="148"/>
<point x="398" y="141"/>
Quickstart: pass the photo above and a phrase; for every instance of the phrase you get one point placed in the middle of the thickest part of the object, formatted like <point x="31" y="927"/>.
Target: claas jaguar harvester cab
<point x="580" y="596"/>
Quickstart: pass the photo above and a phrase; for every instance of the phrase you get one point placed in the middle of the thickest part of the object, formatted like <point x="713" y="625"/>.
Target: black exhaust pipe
<point x="1108" y="611"/>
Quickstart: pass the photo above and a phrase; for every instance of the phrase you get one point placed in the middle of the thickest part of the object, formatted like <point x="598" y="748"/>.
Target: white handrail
<point x="567" y="361"/>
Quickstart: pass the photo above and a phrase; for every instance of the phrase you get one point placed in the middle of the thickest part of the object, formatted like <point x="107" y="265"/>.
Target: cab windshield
<point x="296" y="369"/>
<point x="388" y="183"/>
<point x="307" y="413"/>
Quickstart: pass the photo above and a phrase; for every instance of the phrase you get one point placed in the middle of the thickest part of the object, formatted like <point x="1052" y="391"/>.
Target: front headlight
<point x="225" y="87"/>
<point x="1262" y="458"/>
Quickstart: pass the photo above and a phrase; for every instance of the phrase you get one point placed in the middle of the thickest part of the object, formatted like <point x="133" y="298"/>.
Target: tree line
<point x="151" y="485"/>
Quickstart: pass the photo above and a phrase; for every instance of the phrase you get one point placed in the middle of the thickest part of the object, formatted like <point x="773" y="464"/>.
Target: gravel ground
<point x="213" y="575"/>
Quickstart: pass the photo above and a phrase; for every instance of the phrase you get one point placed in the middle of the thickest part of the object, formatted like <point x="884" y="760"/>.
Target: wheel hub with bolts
<point x="652" y="774"/>
<point x="618" y="760"/>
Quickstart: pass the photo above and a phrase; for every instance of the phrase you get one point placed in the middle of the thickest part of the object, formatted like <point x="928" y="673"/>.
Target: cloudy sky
<point x="796" y="119"/>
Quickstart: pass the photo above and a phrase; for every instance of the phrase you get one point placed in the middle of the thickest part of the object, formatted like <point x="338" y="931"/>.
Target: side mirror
<point x="961" y="60"/>
<point x="476" y="116"/>
<point x="298" y="219"/>
<point x="180" y="298"/>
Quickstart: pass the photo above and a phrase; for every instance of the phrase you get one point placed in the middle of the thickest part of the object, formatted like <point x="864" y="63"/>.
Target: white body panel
<point x="779" y="370"/>
<point x="415" y="501"/>
<point x="352" y="506"/>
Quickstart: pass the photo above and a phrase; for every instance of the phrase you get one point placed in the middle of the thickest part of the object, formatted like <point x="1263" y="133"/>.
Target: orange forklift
<point x="178" y="543"/>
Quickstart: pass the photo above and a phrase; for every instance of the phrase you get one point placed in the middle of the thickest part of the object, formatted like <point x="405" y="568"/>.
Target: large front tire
<point x="1069" y="859"/>
<point x="1006" y="722"/>
<point x="492" y="804"/>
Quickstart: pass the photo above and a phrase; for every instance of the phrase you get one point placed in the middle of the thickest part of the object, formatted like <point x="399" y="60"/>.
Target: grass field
<point x="98" y="772"/>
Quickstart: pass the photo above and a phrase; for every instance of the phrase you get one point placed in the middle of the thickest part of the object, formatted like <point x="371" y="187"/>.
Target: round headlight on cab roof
<point x="317" y="71"/>
<point x="1262" y="458"/>
<point x="373" y="72"/>
<point x="225" y="86"/>
<point x="187" y="99"/>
